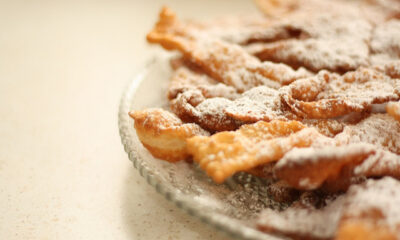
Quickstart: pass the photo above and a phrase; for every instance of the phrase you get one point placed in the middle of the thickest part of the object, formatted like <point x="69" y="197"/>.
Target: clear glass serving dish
<point x="231" y="207"/>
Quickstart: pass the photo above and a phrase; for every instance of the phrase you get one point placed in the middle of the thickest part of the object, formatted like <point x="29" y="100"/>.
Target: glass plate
<point x="231" y="207"/>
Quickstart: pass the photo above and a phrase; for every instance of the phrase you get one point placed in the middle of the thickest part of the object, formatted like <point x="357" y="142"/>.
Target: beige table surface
<point x="63" y="172"/>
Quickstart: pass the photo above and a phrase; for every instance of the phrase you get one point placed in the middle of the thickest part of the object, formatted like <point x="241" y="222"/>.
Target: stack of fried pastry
<point x="306" y="95"/>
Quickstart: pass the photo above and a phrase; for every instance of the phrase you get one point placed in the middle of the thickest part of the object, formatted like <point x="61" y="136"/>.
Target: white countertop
<point x="63" y="171"/>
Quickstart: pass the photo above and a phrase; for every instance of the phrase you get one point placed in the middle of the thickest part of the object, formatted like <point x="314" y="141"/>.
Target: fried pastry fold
<point x="164" y="134"/>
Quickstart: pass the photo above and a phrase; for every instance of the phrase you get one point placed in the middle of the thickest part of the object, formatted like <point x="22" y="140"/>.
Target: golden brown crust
<point x="226" y="153"/>
<point x="192" y="106"/>
<point x="371" y="211"/>
<point x="393" y="109"/>
<point x="185" y="79"/>
<point x="360" y="229"/>
<point x="225" y="62"/>
<point x="321" y="136"/>
<point x="366" y="149"/>
<point x="367" y="211"/>
<point x="163" y="134"/>
<point x="277" y="8"/>
<point x="329" y="95"/>
<point x="309" y="168"/>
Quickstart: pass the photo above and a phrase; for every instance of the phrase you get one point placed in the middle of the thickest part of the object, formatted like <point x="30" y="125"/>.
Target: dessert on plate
<point x="306" y="95"/>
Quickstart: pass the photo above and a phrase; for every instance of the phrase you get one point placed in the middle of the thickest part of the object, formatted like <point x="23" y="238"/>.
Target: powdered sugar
<point x="300" y="156"/>
<point x="385" y="43"/>
<point x="259" y="103"/>
<point x="227" y="63"/>
<point x="235" y="69"/>
<point x="338" y="45"/>
<point x="184" y="79"/>
<point x="382" y="195"/>
<point x="379" y="129"/>
<point x="328" y="95"/>
<point x="382" y="163"/>
<point x="303" y="222"/>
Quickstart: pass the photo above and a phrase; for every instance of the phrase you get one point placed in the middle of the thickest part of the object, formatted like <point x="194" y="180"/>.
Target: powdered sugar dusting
<point x="184" y="79"/>
<point x="330" y="95"/>
<point x="382" y="163"/>
<point x="300" y="156"/>
<point x="383" y="195"/>
<point x="339" y="45"/>
<point x="379" y="129"/>
<point x="364" y="86"/>
<point x="315" y="42"/>
<point x="303" y="222"/>
<point x="385" y="43"/>
<point x="259" y="103"/>
<point x="227" y="63"/>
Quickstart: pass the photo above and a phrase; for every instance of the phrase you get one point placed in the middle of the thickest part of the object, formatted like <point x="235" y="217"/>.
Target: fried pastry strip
<point x="225" y="62"/>
<point x="371" y="211"/>
<point x="310" y="168"/>
<point x="303" y="223"/>
<point x="382" y="163"/>
<point x="283" y="9"/>
<point x="259" y="103"/>
<point x="375" y="11"/>
<point x="335" y="168"/>
<point x="366" y="149"/>
<point x="221" y="114"/>
<point x="226" y="153"/>
<point x="327" y="127"/>
<point x="385" y="43"/>
<point x="378" y="11"/>
<point x="264" y="104"/>
<point x="393" y="109"/>
<point x="367" y="211"/>
<point x="277" y="9"/>
<point x="378" y="129"/>
<point x="192" y="106"/>
<point x="184" y="79"/>
<point x="246" y="30"/>
<point x="329" y="95"/>
<point x="332" y="127"/>
<point x="163" y="134"/>
<point x="338" y="47"/>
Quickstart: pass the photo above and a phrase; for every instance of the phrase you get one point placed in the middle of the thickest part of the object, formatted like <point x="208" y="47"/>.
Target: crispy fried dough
<point x="385" y="43"/>
<point x="306" y="118"/>
<point x="329" y="95"/>
<point x="375" y="11"/>
<point x="225" y="62"/>
<point x="393" y="109"/>
<point x="320" y="44"/>
<point x="310" y="168"/>
<point x="226" y="153"/>
<point x="378" y="129"/>
<point x="371" y="211"/>
<point x="338" y="46"/>
<point x="365" y="149"/>
<point x="192" y="106"/>
<point x="367" y="211"/>
<point x="302" y="223"/>
<point x="222" y="114"/>
<point x="259" y="103"/>
<point x="184" y="79"/>
<point x="163" y="134"/>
